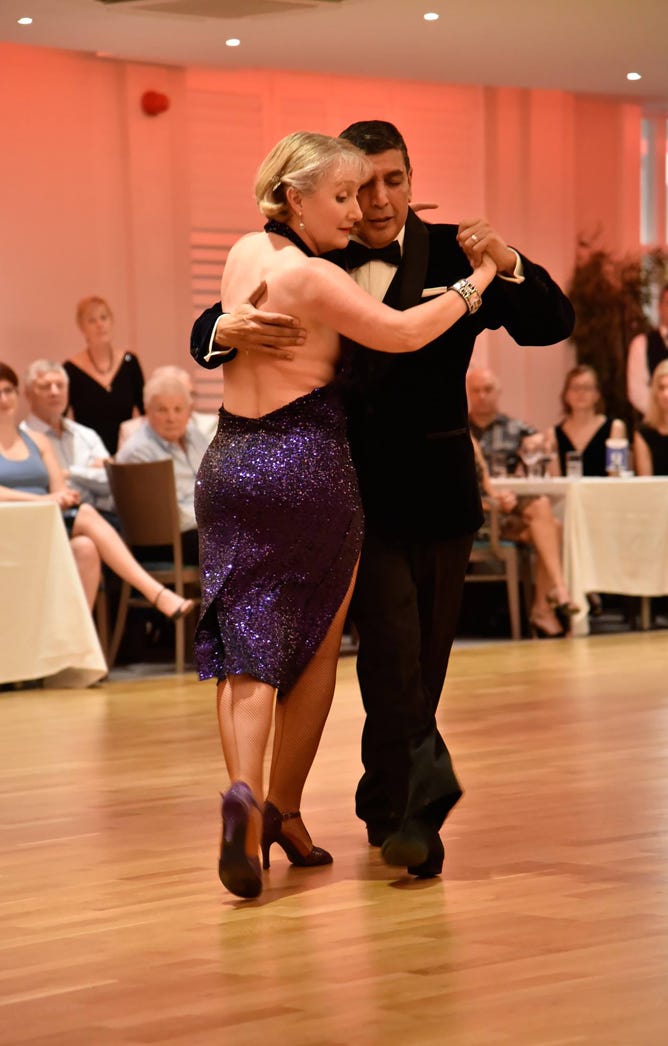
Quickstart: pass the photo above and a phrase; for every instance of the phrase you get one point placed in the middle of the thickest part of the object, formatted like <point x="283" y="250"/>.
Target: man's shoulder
<point x="141" y="445"/>
<point x="512" y="425"/>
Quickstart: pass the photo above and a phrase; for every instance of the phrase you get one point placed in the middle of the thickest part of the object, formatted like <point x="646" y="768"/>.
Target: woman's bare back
<point x="258" y="383"/>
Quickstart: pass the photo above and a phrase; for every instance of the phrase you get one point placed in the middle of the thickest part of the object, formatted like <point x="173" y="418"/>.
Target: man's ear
<point x="410" y="185"/>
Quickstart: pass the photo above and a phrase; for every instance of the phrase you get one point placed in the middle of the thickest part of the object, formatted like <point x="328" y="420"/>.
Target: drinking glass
<point x="532" y="453"/>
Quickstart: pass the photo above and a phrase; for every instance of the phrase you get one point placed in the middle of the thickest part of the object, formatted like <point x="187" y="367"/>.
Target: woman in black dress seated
<point x="650" y="443"/>
<point x="277" y="503"/>
<point x="585" y="427"/>
<point x="106" y="383"/>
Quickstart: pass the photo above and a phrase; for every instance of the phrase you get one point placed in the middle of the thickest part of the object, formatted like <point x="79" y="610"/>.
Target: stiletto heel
<point x="563" y="612"/>
<point x="272" y="832"/>
<point x="238" y="872"/>
<point x="182" y="610"/>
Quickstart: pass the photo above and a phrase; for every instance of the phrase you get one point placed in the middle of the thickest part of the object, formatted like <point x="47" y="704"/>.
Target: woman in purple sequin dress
<point x="277" y="503"/>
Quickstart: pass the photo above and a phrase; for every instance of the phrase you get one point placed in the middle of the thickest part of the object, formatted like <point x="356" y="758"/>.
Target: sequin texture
<point x="280" y="526"/>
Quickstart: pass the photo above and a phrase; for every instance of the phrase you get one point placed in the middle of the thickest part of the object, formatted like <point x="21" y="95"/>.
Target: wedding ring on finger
<point x="474" y="237"/>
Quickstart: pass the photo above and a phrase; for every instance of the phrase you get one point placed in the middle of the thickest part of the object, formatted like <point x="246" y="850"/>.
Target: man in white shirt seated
<point x="168" y="431"/>
<point x="80" y="451"/>
<point x="206" y="421"/>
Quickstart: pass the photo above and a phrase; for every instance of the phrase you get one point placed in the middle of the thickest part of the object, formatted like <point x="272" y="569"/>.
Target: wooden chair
<point x="505" y="561"/>
<point x="145" y="499"/>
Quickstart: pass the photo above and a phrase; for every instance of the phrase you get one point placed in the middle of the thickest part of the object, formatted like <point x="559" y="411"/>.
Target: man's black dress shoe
<point x="377" y="834"/>
<point x="433" y="865"/>
<point x="404" y="848"/>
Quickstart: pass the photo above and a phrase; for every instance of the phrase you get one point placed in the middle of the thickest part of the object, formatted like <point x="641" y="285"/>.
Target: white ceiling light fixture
<point x="24" y="21"/>
<point x="634" y="76"/>
<point x="431" y="16"/>
<point x="232" y="42"/>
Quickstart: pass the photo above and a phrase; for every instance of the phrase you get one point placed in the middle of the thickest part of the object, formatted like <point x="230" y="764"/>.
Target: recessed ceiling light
<point x="634" y="76"/>
<point x="431" y="16"/>
<point x="25" y="21"/>
<point x="232" y="42"/>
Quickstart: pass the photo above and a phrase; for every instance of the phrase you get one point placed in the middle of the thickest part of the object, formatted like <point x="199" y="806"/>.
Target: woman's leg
<point x="299" y="722"/>
<point x="114" y="552"/>
<point x="245" y="708"/>
<point x="88" y="565"/>
<point x="545" y="534"/>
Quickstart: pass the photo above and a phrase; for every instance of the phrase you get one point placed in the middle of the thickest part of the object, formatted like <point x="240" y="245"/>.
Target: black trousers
<point x="405" y="608"/>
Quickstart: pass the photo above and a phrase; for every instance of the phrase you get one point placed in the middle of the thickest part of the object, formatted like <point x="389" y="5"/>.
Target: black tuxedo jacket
<point x="408" y="416"/>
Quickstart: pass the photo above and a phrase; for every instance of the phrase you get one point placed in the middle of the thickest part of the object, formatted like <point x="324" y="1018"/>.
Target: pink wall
<point x="98" y="198"/>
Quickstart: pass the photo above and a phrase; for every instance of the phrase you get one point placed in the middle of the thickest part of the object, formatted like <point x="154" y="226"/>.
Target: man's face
<point x="168" y="415"/>
<point x="47" y="396"/>
<point x="384" y="199"/>
<point x="483" y="391"/>
<point x="663" y="310"/>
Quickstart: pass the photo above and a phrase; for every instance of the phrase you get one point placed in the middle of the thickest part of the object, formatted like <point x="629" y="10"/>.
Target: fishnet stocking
<point x="299" y="722"/>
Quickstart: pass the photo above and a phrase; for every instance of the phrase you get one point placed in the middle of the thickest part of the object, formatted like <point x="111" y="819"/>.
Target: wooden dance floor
<point x="548" y="928"/>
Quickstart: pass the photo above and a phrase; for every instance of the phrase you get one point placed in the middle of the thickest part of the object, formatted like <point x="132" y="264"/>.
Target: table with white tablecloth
<point x="615" y="534"/>
<point x="46" y="628"/>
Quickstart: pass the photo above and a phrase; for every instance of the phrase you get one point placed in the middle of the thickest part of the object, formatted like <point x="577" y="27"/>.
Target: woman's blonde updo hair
<point x="300" y="161"/>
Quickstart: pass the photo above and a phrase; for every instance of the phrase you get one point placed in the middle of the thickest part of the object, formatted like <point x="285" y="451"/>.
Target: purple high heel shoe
<point x="239" y="873"/>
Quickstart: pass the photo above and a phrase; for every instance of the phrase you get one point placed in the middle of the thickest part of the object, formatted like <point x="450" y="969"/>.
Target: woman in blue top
<point x="29" y="471"/>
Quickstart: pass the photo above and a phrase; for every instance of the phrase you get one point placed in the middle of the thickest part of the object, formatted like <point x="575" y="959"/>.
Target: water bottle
<point x="617" y="450"/>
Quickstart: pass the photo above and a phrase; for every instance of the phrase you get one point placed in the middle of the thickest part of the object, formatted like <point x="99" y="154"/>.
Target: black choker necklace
<point x="281" y="229"/>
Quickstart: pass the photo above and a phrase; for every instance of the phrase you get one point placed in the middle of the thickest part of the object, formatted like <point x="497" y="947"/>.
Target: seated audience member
<point x="584" y="427"/>
<point x="79" y="450"/>
<point x="534" y="524"/>
<point x="169" y="432"/>
<point x="29" y="471"/>
<point x="650" y="443"/>
<point x="105" y="382"/>
<point x="206" y="422"/>
<point x="498" y="435"/>
<point x="646" y="351"/>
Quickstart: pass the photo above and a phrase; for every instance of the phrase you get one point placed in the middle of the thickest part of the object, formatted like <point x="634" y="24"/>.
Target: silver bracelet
<point x="466" y="290"/>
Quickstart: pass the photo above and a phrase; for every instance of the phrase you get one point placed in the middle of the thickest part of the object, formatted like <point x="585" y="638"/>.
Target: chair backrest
<point x="145" y="497"/>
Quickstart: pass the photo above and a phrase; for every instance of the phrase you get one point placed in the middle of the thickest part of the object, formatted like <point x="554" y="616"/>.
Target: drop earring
<point x="301" y="221"/>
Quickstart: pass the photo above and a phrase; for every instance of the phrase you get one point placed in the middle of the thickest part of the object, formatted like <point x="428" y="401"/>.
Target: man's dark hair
<point x="376" y="136"/>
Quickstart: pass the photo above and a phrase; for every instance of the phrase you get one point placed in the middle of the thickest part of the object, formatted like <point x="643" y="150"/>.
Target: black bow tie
<point x="359" y="254"/>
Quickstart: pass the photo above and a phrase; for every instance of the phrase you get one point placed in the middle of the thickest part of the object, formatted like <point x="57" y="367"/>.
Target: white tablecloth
<point x="615" y="534"/>
<point x="616" y="539"/>
<point x="46" y="628"/>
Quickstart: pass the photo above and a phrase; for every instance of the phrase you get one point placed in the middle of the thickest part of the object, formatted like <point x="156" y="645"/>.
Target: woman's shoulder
<point x="34" y="439"/>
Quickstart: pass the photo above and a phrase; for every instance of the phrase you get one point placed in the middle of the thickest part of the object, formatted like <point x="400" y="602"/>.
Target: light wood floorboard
<point x="548" y="928"/>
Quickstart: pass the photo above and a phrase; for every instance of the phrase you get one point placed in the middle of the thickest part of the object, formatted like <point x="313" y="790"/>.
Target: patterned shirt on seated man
<point x="499" y="436"/>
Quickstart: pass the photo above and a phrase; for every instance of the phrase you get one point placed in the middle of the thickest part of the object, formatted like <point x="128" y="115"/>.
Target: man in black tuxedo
<point x="412" y="448"/>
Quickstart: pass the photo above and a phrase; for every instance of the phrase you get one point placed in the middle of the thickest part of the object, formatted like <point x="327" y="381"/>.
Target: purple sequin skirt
<point x="280" y="529"/>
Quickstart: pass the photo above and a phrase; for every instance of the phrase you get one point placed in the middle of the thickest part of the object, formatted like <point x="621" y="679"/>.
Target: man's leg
<point x="405" y="608"/>
<point x="440" y="568"/>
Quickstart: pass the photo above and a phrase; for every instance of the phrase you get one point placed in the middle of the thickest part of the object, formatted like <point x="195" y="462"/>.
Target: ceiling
<point x="573" y="45"/>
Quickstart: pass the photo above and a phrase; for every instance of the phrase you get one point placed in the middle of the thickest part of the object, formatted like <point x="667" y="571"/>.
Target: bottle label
<point x="616" y="458"/>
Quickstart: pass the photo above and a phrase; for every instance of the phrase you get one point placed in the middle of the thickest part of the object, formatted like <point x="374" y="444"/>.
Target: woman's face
<point x="9" y="399"/>
<point x="662" y="395"/>
<point x="582" y="392"/>
<point x="96" y="325"/>
<point x="330" y="212"/>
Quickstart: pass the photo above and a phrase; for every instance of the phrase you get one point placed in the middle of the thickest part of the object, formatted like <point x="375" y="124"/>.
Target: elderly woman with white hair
<point x="168" y="432"/>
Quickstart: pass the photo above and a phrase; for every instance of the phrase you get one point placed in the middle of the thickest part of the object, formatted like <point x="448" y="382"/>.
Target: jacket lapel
<point x="409" y="280"/>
